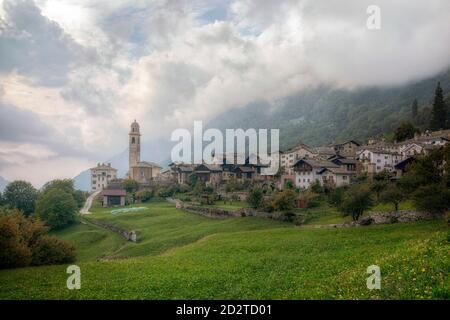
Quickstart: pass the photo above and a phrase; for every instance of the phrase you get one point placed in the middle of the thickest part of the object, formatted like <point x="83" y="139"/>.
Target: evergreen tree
<point x="439" y="111"/>
<point x="415" y="109"/>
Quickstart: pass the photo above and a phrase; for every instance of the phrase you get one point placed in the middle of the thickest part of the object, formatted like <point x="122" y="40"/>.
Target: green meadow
<point x="181" y="255"/>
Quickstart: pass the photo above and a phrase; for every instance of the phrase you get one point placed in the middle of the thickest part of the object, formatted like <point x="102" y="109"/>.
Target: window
<point x="133" y="140"/>
<point x="344" y="177"/>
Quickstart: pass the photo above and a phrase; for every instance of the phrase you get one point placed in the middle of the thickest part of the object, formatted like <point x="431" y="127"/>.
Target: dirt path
<point x="88" y="204"/>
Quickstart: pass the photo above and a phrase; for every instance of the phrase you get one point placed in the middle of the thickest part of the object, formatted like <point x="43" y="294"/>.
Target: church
<point x="141" y="171"/>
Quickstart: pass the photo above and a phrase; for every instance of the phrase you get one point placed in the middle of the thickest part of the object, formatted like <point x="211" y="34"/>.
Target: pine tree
<point x="415" y="109"/>
<point x="439" y="111"/>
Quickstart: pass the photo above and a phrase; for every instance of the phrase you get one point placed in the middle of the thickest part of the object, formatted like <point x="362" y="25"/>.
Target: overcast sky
<point x="74" y="74"/>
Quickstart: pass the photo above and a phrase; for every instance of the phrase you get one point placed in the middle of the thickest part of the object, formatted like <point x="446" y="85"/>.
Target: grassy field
<point x="182" y="255"/>
<point x="235" y="205"/>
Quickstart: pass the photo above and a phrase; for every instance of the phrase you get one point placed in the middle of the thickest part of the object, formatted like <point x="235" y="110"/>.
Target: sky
<point x="74" y="74"/>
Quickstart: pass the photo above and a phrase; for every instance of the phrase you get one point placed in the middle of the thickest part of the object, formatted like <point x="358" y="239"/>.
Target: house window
<point x="344" y="177"/>
<point x="133" y="140"/>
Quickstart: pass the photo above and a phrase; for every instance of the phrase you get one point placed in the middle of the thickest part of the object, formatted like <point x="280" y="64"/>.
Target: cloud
<point x="79" y="72"/>
<point x="35" y="46"/>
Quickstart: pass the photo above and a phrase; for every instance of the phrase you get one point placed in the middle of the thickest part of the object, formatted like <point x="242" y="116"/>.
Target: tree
<point x="378" y="186"/>
<point x="21" y="195"/>
<point x="439" y="110"/>
<point x="130" y="185"/>
<point x="414" y="109"/>
<point x="66" y="185"/>
<point x="392" y="194"/>
<point x="56" y="208"/>
<point x="424" y="171"/>
<point x="405" y="131"/>
<point x="356" y="200"/>
<point x="433" y="197"/>
<point x="255" y="198"/>
<point x="285" y="200"/>
<point x="192" y="179"/>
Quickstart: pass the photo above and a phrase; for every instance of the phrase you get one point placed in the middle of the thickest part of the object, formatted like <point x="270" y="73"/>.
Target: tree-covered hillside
<point x="319" y="116"/>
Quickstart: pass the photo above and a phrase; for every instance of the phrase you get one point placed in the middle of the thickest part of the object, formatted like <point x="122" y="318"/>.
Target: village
<point x="301" y="167"/>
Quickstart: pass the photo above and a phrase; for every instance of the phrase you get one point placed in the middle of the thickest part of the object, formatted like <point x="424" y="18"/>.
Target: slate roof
<point x="114" y="192"/>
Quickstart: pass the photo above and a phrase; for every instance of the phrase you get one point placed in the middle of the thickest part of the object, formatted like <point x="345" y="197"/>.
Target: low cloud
<point x="78" y="73"/>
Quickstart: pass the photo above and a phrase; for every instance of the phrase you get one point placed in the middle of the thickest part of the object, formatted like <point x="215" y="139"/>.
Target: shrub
<point x="21" y="195"/>
<point x="50" y="250"/>
<point x="285" y="200"/>
<point x="56" y="208"/>
<point x="316" y="187"/>
<point x="130" y="185"/>
<point x="255" y="198"/>
<point x="336" y="196"/>
<point x="434" y="198"/>
<point x="24" y="241"/>
<point x="14" y="252"/>
<point x="144" y="195"/>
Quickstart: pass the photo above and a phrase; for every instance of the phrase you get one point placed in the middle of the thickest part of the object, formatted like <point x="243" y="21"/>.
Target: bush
<point x="144" y="195"/>
<point x="21" y="195"/>
<point x="316" y="187"/>
<point x="130" y="185"/>
<point x="56" y="208"/>
<point x="434" y="198"/>
<point x="285" y="200"/>
<point x="24" y="241"/>
<point x="14" y="252"/>
<point x="336" y="196"/>
<point x="50" y="250"/>
<point x="255" y="198"/>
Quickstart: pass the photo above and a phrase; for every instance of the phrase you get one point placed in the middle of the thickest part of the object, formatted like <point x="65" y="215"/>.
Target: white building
<point x="309" y="171"/>
<point x="289" y="157"/>
<point x="378" y="160"/>
<point x="101" y="175"/>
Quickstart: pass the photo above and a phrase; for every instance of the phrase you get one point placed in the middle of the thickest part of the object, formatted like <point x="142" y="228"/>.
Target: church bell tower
<point x="134" y="145"/>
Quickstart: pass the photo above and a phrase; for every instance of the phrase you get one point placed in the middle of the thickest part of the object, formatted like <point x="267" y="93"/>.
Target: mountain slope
<point x="324" y="115"/>
<point x="3" y="184"/>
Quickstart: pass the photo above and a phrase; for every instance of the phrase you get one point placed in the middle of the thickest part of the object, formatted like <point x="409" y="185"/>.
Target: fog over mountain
<point x="75" y="74"/>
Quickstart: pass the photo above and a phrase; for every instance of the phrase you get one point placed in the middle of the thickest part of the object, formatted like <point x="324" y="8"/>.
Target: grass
<point x="386" y="207"/>
<point x="91" y="242"/>
<point x="163" y="227"/>
<point x="235" y="205"/>
<point x="249" y="258"/>
<point x="322" y="215"/>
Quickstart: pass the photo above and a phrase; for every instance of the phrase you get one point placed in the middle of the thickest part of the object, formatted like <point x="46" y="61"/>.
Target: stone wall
<point x="397" y="216"/>
<point x="129" y="235"/>
<point x="222" y="213"/>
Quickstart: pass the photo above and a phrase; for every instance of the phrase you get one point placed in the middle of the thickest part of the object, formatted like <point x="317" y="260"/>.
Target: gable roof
<point x="316" y="163"/>
<point x="146" y="164"/>
<point x="114" y="192"/>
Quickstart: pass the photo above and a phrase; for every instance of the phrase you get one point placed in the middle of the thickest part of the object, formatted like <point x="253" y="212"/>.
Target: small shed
<point x="114" y="197"/>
